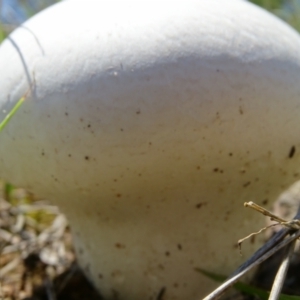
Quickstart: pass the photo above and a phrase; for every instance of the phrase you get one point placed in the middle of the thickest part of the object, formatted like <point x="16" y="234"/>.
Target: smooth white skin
<point x="149" y="124"/>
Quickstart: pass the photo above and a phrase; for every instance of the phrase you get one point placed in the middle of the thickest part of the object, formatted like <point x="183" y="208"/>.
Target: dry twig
<point x="217" y="293"/>
<point x="277" y="242"/>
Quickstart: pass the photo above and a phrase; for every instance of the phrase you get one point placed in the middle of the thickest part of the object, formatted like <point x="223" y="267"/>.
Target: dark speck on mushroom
<point x="292" y="152"/>
<point x="55" y="179"/>
<point x="235" y="246"/>
<point x="199" y="205"/>
<point x="247" y="184"/>
<point x="161" y="294"/>
<point x="120" y="246"/>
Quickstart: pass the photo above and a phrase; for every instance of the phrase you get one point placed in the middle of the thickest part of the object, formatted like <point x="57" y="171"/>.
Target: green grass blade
<point x="246" y="288"/>
<point x="11" y="113"/>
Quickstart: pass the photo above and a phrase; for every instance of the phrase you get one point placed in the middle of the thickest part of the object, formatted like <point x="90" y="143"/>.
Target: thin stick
<point x="253" y="234"/>
<point x="217" y="293"/>
<point x="281" y="274"/>
<point x="275" y="240"/>
<point x="263" y="211"/>
<point x="294" y="224"/>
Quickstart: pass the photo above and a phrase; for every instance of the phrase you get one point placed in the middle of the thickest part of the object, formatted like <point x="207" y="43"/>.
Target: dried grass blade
<point x="282" y="271"/>
<point x="217" y="293"/>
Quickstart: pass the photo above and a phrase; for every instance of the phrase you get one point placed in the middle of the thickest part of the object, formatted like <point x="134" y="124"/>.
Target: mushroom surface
<point x="150" y="123"/>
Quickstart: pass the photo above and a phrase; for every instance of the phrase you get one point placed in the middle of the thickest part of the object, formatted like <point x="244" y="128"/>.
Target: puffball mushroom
<point x="150" y="123"/>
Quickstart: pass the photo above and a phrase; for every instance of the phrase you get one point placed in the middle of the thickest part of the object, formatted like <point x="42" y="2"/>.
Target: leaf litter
<point x="37" y="259"/>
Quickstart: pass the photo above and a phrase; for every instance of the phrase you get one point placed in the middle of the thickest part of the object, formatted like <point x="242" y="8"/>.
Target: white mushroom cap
<point x="149" y="124"/>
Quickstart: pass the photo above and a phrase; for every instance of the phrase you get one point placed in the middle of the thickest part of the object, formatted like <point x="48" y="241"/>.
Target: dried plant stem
<point x="252" y="234"/>
<point x="294" y="224"/>
<point x="217" y="293"/>
<point x="275" y="240"/>
<point x="282" y="271"/>
<point x="263" y="211"/>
